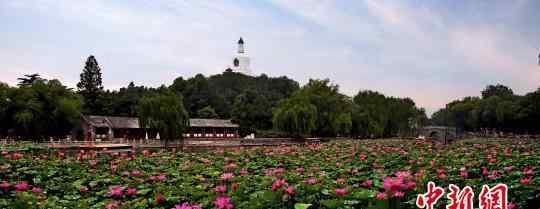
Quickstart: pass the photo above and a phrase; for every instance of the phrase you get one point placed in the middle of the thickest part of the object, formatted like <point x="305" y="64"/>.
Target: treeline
<point x="497" y="109"/>
<point x="318" y="109"/>
<point x="269" y="106"/>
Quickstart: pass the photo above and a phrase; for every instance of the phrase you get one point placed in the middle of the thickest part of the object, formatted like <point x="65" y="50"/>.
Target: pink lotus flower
<point x="83" y="189"/>
<point x="135" y="173"/>
<point x="300" y="170"/>
<point x="4" y="185"/>
<point x="23" y="186"/>
<point x="493" y="175"/>
<point x="442" y="175"/>
<point x="289" y="190"/>
<point x="464" y="174"/>
<point x="93" y="163"/>
<point x="220" y="189"/>
<point x="223" y="203"/>
<point x="131" y="191"/>
<point x="312" y="181"/>
<point x="525" y="181"/>
<point x="235" y="186"/>
<point x="485" y="171"/>
<point x="278" y="184"/>
<point x="160" y="199"/>
<point x="115" y="191"/>
<point x="37" y="190"/>
<point x="381" y="196"/>
<point x="368" y="183"/>
<point x="403" y="174"/>
<point x="511" y="205"/>
<point x="244" y="171"/>
<point x="393" y="184"/>
<point x="399" y="194"/>
<point x="227" y="176"/>
<point x="186" y="206"/>
<point x="508" y="168"/>
<point x="340" y="192"/>
<point x="111" y="205"/>
<point x="528" y="171"/>
<point x="16" y="156"/>
<point x="162" y="177"/>
<point x="279" y="170"/>
<point x="125" y="173"/>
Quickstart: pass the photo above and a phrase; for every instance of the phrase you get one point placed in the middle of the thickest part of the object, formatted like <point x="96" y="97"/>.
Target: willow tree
<point x="165" y="112"/>
<point x="295" y="116"/>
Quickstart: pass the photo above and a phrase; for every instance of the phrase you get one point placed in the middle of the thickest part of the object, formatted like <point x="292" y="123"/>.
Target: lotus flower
<point x="131" y="191"/>
<point x="23" y="186"/>
<point x="4" y="185"/>
<point x="223" y="203"/>
<point x="83" y="189"/>
<point x="289" y="190"/>
<point x="37" y="190"/>
<point x="226" y="176"/>
<point x="278" y="184"/>
<point x="340" y="192"/>
<point x="186" y="206"/>
<point x="220" y="189"/>
<point x="368" y="183"/>
<point x="115" y="191"/>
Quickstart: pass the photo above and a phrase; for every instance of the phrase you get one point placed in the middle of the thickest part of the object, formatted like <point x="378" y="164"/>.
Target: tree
<point x="497" y="90"/>
<point x="295" y="116"/>
<point x="29" y="79"/>
<point x="252" y="111"/>
<point x="42" y="109"/>
<point x="207" y="112"/>
<point x="165" y="112"/>
<point x="332" y="107"/>
<point x="370" y="114"/>
<point x="5" y="102"/>
<point x="91" y="87"/>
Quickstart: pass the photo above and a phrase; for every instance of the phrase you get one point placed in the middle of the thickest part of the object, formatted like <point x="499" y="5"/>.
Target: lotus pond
<point x="338" y="174"/>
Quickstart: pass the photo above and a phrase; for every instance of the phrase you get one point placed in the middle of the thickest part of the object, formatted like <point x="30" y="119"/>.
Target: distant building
<point x="94" y="127"/>
<point x="240" y="62"/>
<point x="104" y="128"/>
<point x="211" y="128"/>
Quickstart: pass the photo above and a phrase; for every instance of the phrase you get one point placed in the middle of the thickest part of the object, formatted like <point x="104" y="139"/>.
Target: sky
<point x="431" y="51"/>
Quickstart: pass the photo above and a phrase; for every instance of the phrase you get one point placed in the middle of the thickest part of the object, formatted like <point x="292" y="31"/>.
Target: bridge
<point x="439" y="133"/>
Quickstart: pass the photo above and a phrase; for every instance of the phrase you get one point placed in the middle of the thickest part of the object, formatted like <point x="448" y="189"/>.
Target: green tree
<point x="207" y="112"/>
<point x="252" y="111"/>
<point x="165" y="112"/>
<point x="499" y="90"/>
<point x="43" y="109"/>
<point x="90" y="87"/>
<point x="370" y="114"/>
<point x="332" y="107"/>
<point x="29" y="79"/>
<point x="295" y="116"/>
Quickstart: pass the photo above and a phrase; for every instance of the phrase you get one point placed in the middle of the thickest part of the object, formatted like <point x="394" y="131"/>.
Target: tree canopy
<point x="90" y="87"/>
<point x="498" y="108"/>
<point x="44" y="108"/>
<point x="165" y="112"/>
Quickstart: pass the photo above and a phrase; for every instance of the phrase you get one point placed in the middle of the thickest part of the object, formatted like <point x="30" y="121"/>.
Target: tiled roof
<point x="201" y="122"/>
<point x="112" y="121"/>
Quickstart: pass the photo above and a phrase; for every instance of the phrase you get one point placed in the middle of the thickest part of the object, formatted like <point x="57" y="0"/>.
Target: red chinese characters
<point x="430" y="198"/>
<point x="460" y="199"/>
<point x="494" y="198"/>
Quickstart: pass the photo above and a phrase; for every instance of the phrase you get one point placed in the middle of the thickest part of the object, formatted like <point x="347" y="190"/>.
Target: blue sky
<point x="430" y="51"/>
